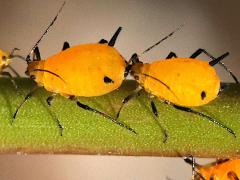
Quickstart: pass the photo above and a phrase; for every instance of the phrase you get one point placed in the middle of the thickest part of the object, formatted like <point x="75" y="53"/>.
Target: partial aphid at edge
<point x="226" y="169"/>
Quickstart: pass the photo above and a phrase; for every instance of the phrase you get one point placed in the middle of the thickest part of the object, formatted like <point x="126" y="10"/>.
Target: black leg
<point x="194" y="165"/>
<point x="66" y="45"/>
<point x="50" y="99"/>
<point x="11" y="78"/>
<point x="214" y="61"/>
<point x="200" y="51"/>
<point x="218" y="60"/>
<point x="171" y="55"/>
<point x="114" y="38"/>
<point x="229" y="72"/>
<point x="59" y="125"/>
<point x="154" y="109"/>
<point x="186" y="109"/>
<point x="127" y="98"/>
<point x="88" y="108"/>
<point x="14" y="71"/>
<point x="25" y="99"/>
<point x="155" y="112"/>
<point x="103" y="41"/>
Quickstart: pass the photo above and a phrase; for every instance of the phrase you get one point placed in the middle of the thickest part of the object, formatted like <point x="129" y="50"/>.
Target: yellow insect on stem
<point x="180" y="82"/>
<point x="85" y="70"/>
<point x="227" y="169"/>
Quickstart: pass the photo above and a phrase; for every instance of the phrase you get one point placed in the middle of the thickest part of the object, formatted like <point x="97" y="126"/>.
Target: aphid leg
<point x="186" y="109"/>
<point x="155" y="112"/>
<point x="114" y="37"/>
<point x="103" y="41"/>
<point x="195" y="173"/>
<point x="232" y="175"/>
<point x="215" y="61"/>
<point x="66" y="45"/>
<point x="171" y="55"/>
<point x="25" y="99"/>
<point x="11" y="78"/>
<point x="86" y="107"/>
<point x="127" y="98"/>
<point x="49" y="102"/>
<point x="14" y="71"/>
<point x="50" y="99"/>
<point x="58" y="123"/>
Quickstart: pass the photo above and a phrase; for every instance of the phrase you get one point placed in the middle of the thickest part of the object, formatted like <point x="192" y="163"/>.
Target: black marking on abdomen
<point x="107" y="80"/>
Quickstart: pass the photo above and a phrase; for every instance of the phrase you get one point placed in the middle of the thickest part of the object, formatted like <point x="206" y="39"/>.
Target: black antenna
<point x="45" y="32"/>
<point x="166" y="37"/>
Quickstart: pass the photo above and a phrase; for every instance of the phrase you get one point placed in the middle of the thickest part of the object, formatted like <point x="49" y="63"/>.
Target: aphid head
<point x="32" y="65"/>
<point x="5" y="59"/>
<point x="135" y="65"/>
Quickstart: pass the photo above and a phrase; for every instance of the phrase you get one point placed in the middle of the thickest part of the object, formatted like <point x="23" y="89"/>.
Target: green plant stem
<point x="35" y="129"/>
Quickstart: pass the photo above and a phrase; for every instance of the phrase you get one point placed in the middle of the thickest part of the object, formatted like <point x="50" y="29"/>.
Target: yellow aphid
<point x="4" y="60"/>
<point x="180" y="82"/>
<point x="227" y="169"/>
<point x="184" y="81"/>
<point x="85" y="70"/>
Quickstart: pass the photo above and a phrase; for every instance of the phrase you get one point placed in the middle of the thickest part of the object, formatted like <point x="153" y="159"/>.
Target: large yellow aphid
<point x="86" y="70"/>
<point x="180" y="82"/>
<point x="184" y="81"/>
<point x="227" y="169"/>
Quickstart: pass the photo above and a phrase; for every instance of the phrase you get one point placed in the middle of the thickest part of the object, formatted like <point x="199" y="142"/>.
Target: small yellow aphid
<point x="220" y="170"/>
<point x="86" y="70"/>
<point x="181" y="82"/>
<point x="5" y="60"/>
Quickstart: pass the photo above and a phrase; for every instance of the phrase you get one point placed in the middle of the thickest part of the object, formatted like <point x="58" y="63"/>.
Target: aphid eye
<point x="4" y="58"/>
<point x="203" y="95"/>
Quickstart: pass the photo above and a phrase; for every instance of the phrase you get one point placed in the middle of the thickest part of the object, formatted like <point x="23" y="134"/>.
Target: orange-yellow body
<point x="190" y="82"/>
<point x="4" y="60"/>
<point x="81" y="70"/>
<point x="221" y="171"/>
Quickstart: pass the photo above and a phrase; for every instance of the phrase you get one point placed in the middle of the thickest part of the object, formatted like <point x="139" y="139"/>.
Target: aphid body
<point x="185" y="81"/>
<point x="84" y="70"/>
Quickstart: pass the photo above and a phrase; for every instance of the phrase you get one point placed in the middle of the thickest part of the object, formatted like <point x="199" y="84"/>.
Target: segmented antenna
<point x="166" y="37"/>
<point x="45" y="32"/>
